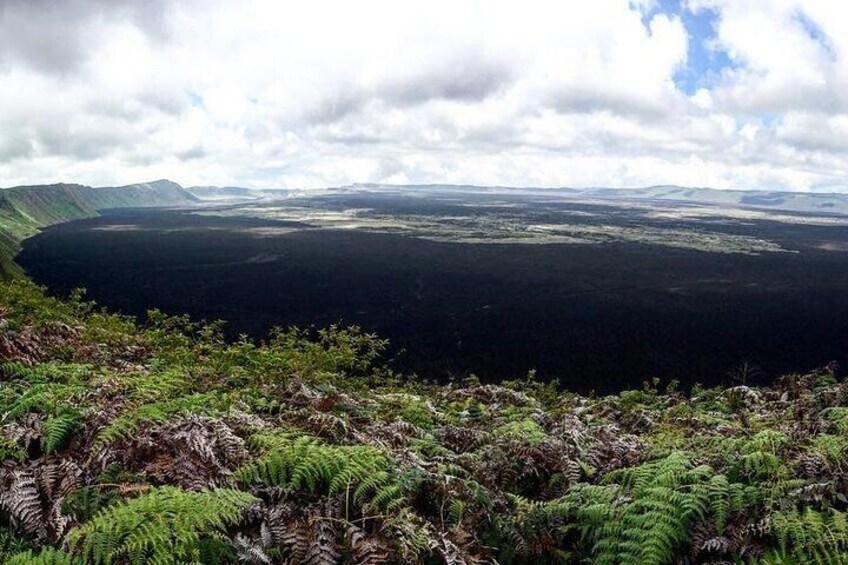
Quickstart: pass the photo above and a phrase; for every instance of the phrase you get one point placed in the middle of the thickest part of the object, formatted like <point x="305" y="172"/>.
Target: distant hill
<point x="817" y="202"/>
<point x="26" y="209"/>
<point x="236" y="193"/>
<point x="223" y="193"/>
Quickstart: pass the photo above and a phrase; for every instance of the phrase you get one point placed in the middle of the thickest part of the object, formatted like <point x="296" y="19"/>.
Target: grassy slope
<point x="157" y="193"/>
<point x="166" y="444"/>
<point x="24" y="210"/>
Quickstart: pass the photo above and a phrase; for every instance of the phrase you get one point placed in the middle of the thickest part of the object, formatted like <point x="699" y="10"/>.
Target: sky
<point x="745" y="94"/>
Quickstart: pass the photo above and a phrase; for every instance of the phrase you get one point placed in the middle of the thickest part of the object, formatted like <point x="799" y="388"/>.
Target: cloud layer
<point x="723" y="93"/>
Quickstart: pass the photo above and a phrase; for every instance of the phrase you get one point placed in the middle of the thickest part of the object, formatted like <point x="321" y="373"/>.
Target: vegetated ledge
<point x="166" y="444"/>
<point x="26" y="209"/>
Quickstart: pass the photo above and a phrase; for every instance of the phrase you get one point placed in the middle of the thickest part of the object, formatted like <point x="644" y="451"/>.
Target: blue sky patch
<point x="704" y="62"/>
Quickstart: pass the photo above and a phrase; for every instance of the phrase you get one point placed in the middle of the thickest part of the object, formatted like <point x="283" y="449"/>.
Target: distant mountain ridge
<point x="26" y="209"/>
<point x="223" y="192"/>
<point x="234" y="193"/>
<point x="818" y="202"/>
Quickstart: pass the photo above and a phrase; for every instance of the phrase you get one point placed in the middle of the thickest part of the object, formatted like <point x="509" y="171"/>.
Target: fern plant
<point x="838" y="416"/>
<point x="810" y="535"/>
<point x="9" y="450"/>
<point x="306" y="464"/>
<point x="22" y="505"/>
<point x="57" y="429"/>
<point x="11" y="544"/>
<point x="125" y="425"/>
<point x="46" y="398"/>
<point x="157" y="386"/>
<point x="16" y="370"/>
<point x="644" y="515"/>
<point x="760" y="456"/>
<point x="67" y="373"/>
<point x="165" y="525"/>
<point x="47" y="556"/>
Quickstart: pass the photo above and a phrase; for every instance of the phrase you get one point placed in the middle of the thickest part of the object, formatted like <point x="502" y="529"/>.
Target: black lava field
<point x="597" y="317"/>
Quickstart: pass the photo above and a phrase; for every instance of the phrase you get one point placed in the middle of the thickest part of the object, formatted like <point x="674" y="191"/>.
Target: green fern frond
<point x="306" y="464"/>
<point x="57" y="429"/>
<point x="46" y="398"/>
<point x="644" y="513"/>
<point x="16" y="370"/>
<point x="66" y="373"/>
<point x="811" y="535"/>
<point x="123" y="427"/>
<point x="833" y="447"/>
<point x="165" y="525"/>
<point x="838" y="416"/>
<point x="157" y="386"/>
<point x="47" y="556"/>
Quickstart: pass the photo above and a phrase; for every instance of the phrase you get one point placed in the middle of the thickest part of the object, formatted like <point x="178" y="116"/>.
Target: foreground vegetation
<point x="163" y="443"/>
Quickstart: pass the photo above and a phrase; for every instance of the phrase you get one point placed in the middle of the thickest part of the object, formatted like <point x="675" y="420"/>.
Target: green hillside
<point x="26" y="209"/>
<point x="164" y="443"/>
<point x="157" y="193"/>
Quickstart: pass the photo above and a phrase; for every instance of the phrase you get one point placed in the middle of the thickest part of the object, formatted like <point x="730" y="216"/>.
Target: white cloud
<point x="323" y="93"/>
<point x="784" y="64"/>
